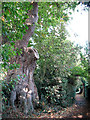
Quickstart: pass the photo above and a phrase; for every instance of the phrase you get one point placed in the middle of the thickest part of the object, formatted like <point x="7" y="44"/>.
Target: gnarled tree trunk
<point x="25" y="88"/>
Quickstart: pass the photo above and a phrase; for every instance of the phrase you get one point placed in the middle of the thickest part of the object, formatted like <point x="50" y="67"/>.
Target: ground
<point x="80" y="109"/>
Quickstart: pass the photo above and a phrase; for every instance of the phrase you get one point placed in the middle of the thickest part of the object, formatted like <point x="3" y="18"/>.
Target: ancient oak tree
<point x="24" y="56"/>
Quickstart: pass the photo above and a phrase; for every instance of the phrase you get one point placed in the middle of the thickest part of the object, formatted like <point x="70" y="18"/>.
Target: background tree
<point x="57" y="54"/>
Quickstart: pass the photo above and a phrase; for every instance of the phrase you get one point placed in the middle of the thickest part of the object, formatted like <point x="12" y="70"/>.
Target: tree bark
<point x="26" y="88"/>
<point x="33" y="17"/>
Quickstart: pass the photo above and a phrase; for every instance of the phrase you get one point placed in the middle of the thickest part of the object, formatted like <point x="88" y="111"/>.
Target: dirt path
<point x="80" y="109"/>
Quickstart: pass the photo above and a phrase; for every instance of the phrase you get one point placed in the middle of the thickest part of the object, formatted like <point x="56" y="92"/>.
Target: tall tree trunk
<point x="26" y="88"/>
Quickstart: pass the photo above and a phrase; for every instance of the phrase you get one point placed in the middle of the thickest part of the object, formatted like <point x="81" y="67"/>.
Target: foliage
<point x="82" y="68"/>
<point x="14" y="15"/>
<point x="85" y="62"/>
<point x="7" y="87"/>
<point x="57" y="54"/>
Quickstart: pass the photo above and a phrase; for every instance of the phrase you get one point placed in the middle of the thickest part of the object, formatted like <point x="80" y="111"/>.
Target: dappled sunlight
<point x="75" y="105"/>
<point x="80" y="116"/>
<point x="77" y="110"/>
<point x="61" y="116"/>
<point x="74" y="117"/>
<point x="87" y="113"/>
